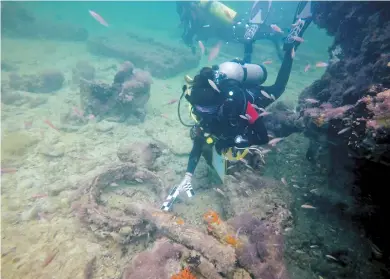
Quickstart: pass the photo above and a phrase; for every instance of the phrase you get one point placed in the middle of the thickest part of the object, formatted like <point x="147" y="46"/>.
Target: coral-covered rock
<point x="124" y="98"/>
<point x="161" y="262"/>
<point x="141" y="153"/>
<point x="349" y="121"/>
<point x="125" y="72"/>
<point x="84" y="70"/>
<point x="262" y="254"/>
<point x="163" y="61"/>
<point x="46" y="82"/>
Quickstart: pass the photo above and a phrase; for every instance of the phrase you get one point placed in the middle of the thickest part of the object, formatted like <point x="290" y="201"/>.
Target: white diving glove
<point x="185" y="185"/>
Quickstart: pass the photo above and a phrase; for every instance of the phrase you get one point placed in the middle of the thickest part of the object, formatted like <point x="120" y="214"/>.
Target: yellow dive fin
<point x="229" y="155"/>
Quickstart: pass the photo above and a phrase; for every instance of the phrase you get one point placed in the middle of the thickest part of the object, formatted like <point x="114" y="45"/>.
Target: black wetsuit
<point x="228" y="124"/>
<point x="198" y="25"/>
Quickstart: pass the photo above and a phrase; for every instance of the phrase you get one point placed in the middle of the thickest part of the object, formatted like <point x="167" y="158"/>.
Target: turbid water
<point x="50" y="148"/>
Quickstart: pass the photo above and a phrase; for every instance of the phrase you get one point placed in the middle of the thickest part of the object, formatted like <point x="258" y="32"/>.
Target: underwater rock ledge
<point x="352" y="118"/>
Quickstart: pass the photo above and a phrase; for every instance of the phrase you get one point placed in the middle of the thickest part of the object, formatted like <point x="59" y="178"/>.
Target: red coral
<point x="184" y="274"/>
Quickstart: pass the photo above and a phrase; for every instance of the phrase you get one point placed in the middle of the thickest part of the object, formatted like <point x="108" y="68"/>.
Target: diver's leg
<point x="248" y="49"/>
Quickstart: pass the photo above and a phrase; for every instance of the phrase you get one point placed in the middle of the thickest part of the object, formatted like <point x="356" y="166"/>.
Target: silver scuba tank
<point x="246" y="73"/>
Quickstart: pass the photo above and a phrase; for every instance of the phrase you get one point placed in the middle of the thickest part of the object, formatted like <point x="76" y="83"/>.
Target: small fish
<point x="313" y="246"/>
<point x="296" y="23"/>
<point x="213" y="85"/>
<point x="296" y="186"/>
<point x="272" y="97"/>
<point x="172" y="101"/>
<point x="98" y="17"/>
<point x="265" y="94"/>
<point x="206" y="26"/>
<point x="215" y="51"/>
<point x="331" y="257"/>
<point x="284" y="181"/>
<point x="139" y="180"/>
<point x="267" y="62"/>
<point x="298" y="39"/>
<point x="49" y="258"/>
<point x="307" y="68"/>
<point x="344" y="130"/>
<point x="256" y="107"/>
<point x="265" y="113"/>
<point x="293" y="53"/>
<point x="220" y="191"/>
<point x="276" y="28"/>
<point x="113" y="184"/>
<point x="244" y="117"/>
<point x="248" y="116"/>
<point x="321" y="65"/>
<point x="8" y="170"/>
<point x="39" y="196"/>
<point x="274" y="141"/>
<point x="27" y="124"/>
<point x="78" y="112"/>
<point x="313" y="191"/>
<point x="201" y="46"/>
<point x="311" y="101"/>
<point x="308" y="206"/>
<point x="48" y="122"/>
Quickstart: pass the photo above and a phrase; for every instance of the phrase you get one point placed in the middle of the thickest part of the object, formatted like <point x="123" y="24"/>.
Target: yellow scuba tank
<point x="219" y="10"/>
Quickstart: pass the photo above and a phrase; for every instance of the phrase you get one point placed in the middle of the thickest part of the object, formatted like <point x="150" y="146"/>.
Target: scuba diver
<point x="202" y="20"/>
<point x="226" y="101"/>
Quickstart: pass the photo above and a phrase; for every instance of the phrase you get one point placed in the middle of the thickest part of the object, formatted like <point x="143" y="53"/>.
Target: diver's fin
<point x="259" y="12"/>
<point x="302" y="19"/>
<point x="304" y="10"/>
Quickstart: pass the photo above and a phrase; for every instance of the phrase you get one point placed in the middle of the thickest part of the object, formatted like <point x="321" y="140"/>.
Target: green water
<point x="56" y="162"/>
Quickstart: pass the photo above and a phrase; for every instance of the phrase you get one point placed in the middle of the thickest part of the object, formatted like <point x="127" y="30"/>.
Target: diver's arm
<point x="281" y="80"/>
<point x="278" y="47"/>
<point x="259" y="133"/>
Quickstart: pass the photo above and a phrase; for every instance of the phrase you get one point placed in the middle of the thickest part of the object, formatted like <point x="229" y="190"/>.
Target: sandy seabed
<point x="41" y="238"/>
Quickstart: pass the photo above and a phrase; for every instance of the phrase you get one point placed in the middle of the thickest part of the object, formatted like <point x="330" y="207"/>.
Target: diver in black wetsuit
<point x="225" y="99"/>
<point x="199" y="24"/>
